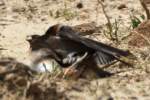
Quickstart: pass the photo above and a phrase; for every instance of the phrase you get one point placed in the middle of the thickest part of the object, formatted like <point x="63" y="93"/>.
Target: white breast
<point x="44" y="65"/>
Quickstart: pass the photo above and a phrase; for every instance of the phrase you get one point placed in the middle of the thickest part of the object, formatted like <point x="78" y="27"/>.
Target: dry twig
<point x="110" y="26"/>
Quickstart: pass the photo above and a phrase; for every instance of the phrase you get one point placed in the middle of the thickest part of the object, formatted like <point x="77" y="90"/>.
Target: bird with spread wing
<point x="68" y="48"/>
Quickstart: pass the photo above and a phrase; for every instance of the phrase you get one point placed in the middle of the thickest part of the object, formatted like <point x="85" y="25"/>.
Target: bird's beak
<point x="29" y="38"/>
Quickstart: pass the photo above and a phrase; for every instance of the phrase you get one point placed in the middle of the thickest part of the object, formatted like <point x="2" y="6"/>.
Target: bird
<point x="69" y="48"/>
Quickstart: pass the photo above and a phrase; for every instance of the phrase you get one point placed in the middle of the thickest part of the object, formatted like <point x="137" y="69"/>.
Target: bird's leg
<point x="73" y="67"/>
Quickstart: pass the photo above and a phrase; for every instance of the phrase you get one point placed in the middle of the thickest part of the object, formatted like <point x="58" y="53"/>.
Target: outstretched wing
<point x="67" y="32"/>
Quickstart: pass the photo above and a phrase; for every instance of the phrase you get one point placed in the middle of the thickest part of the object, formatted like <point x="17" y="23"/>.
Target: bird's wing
<point x="102" y="58"/>
<point x="67" y="32"/>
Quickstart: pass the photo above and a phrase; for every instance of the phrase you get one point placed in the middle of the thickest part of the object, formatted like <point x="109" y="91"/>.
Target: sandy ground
<point x="20" y="18"/>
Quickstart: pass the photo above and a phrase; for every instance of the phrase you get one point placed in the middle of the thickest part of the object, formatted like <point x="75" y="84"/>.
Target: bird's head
<point x="53" y="30"/>
<point x="35" y="41"/>
<point x="57" y="29"/>
<point x="31" y="38"/>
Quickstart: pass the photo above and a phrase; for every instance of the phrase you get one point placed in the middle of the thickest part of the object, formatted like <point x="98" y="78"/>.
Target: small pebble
<point x="122" y="6"/>
<point x="79" y="5"/>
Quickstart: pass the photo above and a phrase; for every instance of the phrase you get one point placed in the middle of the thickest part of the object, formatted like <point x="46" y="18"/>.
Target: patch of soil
<point x="141" y="35"/>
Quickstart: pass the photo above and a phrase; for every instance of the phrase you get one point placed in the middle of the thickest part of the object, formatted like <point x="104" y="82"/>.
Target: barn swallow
<point x="69" y="46"/>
